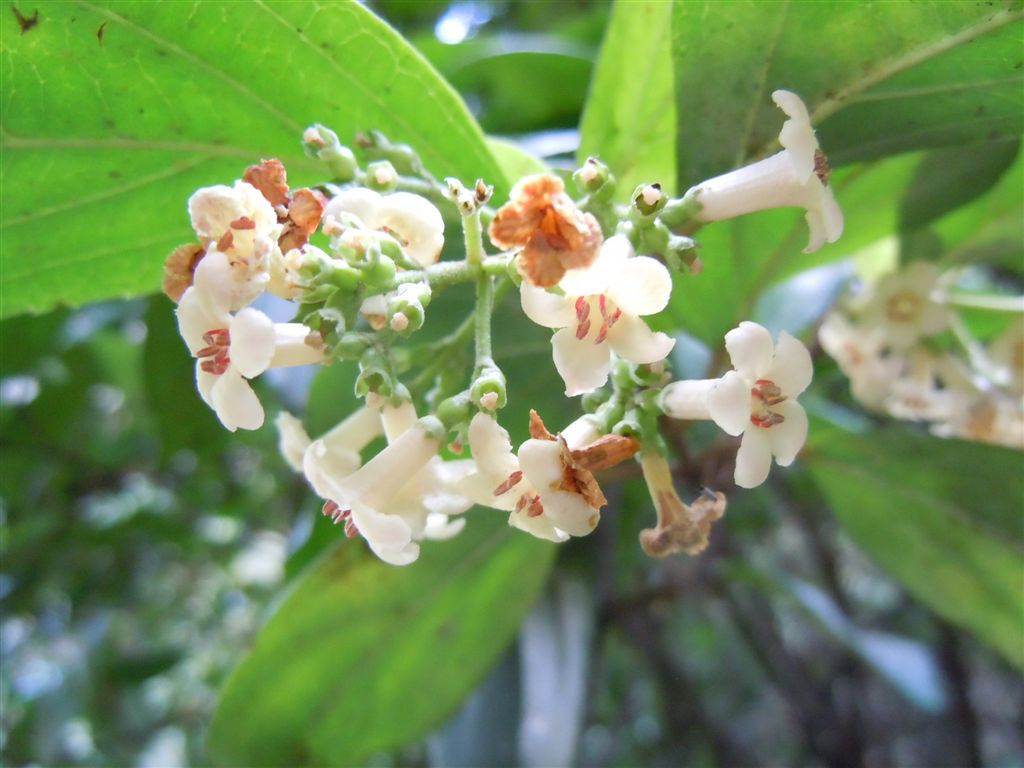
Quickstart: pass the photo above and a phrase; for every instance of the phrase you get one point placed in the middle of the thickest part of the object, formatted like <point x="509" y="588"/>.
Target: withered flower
<point x="681" y="527"/>
<point x="553" y="233"/>
<point x="179" y="268"/>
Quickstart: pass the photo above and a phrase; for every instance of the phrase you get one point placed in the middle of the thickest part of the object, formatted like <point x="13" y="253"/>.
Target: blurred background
<point x="143" y="547"/>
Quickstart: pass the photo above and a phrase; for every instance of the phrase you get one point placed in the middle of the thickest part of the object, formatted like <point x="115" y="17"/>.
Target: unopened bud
<point x="489" y="381"/>
<point x="594" y="176"/>
<point x="381" y="176"/>
<point x="648" y="199"/>
<point x="489" y="401"/>
<point x="399" y="322"/>
<point x="454" y="411"/>
<point x="322" y="143"/>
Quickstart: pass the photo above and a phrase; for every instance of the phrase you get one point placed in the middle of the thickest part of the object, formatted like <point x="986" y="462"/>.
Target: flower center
<point x="903" y="306"/>
<point x="529" y="500"/>
<point x="763" y="395"/>
<point x="597" y="304"/>
<point x="215" y="354"/>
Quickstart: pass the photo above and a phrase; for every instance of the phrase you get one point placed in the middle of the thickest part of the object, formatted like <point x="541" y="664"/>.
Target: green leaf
<point x="877" y="78"/>
<point x="114" y="113"/>
<point x="515" y="161"/>
<point x="942" y="516"/>
<point x="333" y="676"/>
<point x="630" y="117"/>
<point x="949" y="178"/>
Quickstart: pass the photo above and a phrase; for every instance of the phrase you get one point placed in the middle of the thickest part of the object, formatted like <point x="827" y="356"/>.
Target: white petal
<point x="816" y="233"/>
<point x="416" y="222"/>
<point x="583" y="365"/>
<point x="797" y="135"/>
<point x="382" y="478"/>
<point x="632" y="339"/>
<point x="788" y="437"/>
<point x="833" y="215"/>
<point x="204" y="383"/>
<point x="292" y="439"/>
<point x="326" y="466"/>
<point x="389" y="536"/>
<point x="791" y="368"/>
<point x="212" y="209"/>
<point x="583" y="431"/>
<point x="642" y="286"/>
<point x="600" y="275"/>
<point x="750" y="349"/>
<point x="729" y="403"/>
<point x="539" y="526"/>
<point x="234" y="401"/>
<point x="541" y="462"/>
<point x="252" y="342"/>
<point x="358" y="201"/>
<point x="356" y="431"/>
<point x="440" y="527"/>
<point x="293" y="345"/>
<point x="215" y="280"/>
<point x="195" y="318"/>
<point x="569" y="512"/>
<point x="491" y="448"/>
<point x="546" y="309"/>
<point x="754" y="458"/>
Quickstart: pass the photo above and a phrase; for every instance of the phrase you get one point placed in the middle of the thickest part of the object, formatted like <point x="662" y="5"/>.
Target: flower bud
<point x="381" y="176"/>
<point x="401" y="156"/>
<point x="680" y="211"/>
<point x="648" y="199"/>
<point x="454" y="410"/>
<point x="490" y="381"/>
<point x="594" y="179"/>
<point x="594" y="399"/>
<point x="351" y="345"/>
<point x="374" y="375"/>
<point x="322" y="143"/>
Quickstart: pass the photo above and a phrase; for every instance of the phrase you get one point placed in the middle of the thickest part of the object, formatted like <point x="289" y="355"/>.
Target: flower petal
<point x="215" y="281"/>
<point x="292" y="439"/>
<point x="750" y="349"/>
<point x="539" y="526"/>
<point x="632" y="339"/>
<point x="600" y="275"/>
<point x="234" y="401"/>
<point x="569" y="512"/>
<point x="252" y="342"/>
<point x="417" y="223"/>
<point x="440" y="527"/>
<point x="195" y="318"/>
<point x="389" y="536"/>
<point x="641" y="287"/>
<point x="357" y="201"/>
<point x="788" y="437"/>
<point x="582" y="364"/>
<point x="791" y="368"/>
<point x="541" y="462"/>
<point x="797" y="135"/>
<point x="754" y="458"/>
<point x="204" y="383"/>
<point x="546" y="309"/>
<point x="491" y="447"/>
<point x="729" y="403"/>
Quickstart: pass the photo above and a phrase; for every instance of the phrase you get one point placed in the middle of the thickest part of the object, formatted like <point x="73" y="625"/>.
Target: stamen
<point x="243" y="222"/>
<point x="536" y="509"/>
<point x="226" y="241"/>
<point x="821" y="167"/>
<point x="217" y="336"/>
<point x="350" y="528"/>
<point x="582" y="330"/>
<point x="509" y="482"/>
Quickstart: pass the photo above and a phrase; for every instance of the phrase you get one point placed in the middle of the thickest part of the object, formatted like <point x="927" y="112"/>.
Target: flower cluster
<point x="908" y="354"/>
<point x="361" y="259"/>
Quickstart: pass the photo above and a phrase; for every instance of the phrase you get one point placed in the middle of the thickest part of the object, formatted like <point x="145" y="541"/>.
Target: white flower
<point x="902" y="307"/>
<point x="334" y="454"/>
<point x="600" y="313"/>
<point x="988" y="417"/>
<point x="860" y="354"/>
<point x="292" y="439"/>
<point x="239" y="222"/>
<point x="402" y="495"/>
<point x="412" y="220"/>
<point x="530" y="486"/>
<point x="796" y="176"/>
<point x="233" y="348"/>
<point x="756" y="400"/>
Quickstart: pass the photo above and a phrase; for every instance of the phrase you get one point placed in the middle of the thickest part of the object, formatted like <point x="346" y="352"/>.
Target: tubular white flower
<point x="756" y="400"/>
<point x="902" y="308"/>
<point x="600" y="313"/>
<point x="796" y="176"/>
<point x="412" y="220"/>
<point x="233" y="348"/>
<point x="528" y="485"/>
<point x="335" y="455"/>
<point x="860" y="355"/>
<point x="402" y="495"/>
<point x="292" y="439"/>
<point x="240" y="222"/>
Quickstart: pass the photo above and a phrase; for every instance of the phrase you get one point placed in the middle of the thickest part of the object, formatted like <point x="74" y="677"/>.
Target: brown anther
<point x="536" y="508"/>
<point x="582" y="330"/>
<point x="482" y="191"/>
<point x="226" y="241"/>
<point x="217" y="336"/>
<point x="554" y="234"/>
<point x="243" y="222"/>
<point x="179" y="268"/>
<point x="350" y="528"/>
<point x="271" y="179"/>
<point x="607" y="451"/>
<point x="821" y="167"/>
<point x="455" y="446"/>
<point x="537" y="429"/>
<point x="509" y="482"/>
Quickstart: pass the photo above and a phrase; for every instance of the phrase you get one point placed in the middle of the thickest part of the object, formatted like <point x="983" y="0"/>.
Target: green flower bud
<point x="455" y="410"/>
<point x="591" y="401"/>
<point x="381" y="176"/>
<point x="488" y="391"/>
<point x="681" y="255"/>
<point x="609" y="414"/>
<point x="679" y="212"/>
<point x="374" y="374"/>
<point x="351" y="345"/>
<point x="648" y="199"/>
<point x="629" y="425"/>
<point x="322" y="143"/>
<point x="379" y="272"/>
<point x="401" y="156"/>
<point x="622" y="375"/>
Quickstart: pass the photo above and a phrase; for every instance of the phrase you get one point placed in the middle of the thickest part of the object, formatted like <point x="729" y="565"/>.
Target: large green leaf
<point x="630" y="117"/>
<point x="942" y="516"/>
<point x="114" y="112"/>
<point x="878" y="78"/>
<point x="363" y="656"/>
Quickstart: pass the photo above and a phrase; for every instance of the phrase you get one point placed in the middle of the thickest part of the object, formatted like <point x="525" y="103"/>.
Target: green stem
<point x="482" y="314"/>
<point x="474" y="238"/>
<point x="447" y="273"/>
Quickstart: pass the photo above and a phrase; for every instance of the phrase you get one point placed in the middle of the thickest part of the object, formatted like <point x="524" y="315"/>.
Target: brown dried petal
<point x="682" y="528"/>
<point x="304" y="213"/>
<point x="539" y="264"/>
<point x="607" y="451"/>
<point x="576" y="479"/>
<point x="179" y="268"/>
<point x="271" y="179"/>
<point x="537" y="429"/>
